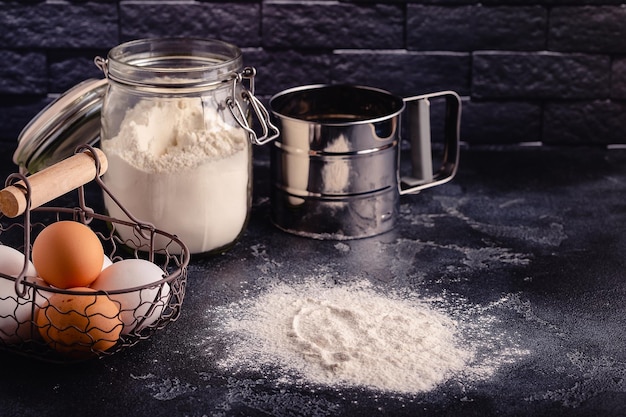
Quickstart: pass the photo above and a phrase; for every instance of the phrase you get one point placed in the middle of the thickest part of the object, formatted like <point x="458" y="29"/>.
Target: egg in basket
<point x="70" y="288"/>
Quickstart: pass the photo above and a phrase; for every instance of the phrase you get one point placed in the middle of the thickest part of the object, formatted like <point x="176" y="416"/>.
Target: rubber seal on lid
<point x="54" y="133"/>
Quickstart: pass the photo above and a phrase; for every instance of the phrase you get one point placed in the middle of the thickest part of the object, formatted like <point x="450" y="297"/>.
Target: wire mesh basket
<point x="72" y="324"/>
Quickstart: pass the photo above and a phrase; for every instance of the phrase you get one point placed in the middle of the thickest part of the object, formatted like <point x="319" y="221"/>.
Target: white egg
<point x="12" y="262"/>
<point x="15" y="312"/>
<point x="136" y="306"/>
<point x="106" y="262"/>
<point x="42" y="294"/>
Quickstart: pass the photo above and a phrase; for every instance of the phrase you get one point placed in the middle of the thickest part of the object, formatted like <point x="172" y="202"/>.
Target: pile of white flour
<point x="176" y="164"/>
<point x="347" y="336"/>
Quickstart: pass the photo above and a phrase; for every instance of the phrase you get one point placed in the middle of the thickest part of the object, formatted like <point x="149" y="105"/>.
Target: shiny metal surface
<point x="335" y="165"/>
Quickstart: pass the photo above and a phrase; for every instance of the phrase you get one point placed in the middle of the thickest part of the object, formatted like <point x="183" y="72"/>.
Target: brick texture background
<point x="548" y="71"/>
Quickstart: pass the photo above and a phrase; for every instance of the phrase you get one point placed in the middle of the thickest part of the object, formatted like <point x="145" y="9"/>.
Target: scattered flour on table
<point x="353" y="335"/>
<point x="599" y="375"/>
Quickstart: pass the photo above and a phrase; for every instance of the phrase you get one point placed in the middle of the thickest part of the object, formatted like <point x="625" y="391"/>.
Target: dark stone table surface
<point x="532" y="238"/>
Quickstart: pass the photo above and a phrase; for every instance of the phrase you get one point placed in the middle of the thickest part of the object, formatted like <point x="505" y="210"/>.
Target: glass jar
<point x="175" y="127"/>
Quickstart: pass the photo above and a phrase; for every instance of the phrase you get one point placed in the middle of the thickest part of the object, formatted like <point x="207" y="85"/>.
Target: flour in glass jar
<point x="352" y="335"/>
<point x="176" y="164"/>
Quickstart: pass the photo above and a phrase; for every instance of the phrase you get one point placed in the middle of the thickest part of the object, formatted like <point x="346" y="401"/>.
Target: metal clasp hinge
<point x="269" y="131"/>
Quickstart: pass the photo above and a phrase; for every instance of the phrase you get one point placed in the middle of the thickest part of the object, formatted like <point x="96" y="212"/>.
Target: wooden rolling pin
<point x="52" y="182"/>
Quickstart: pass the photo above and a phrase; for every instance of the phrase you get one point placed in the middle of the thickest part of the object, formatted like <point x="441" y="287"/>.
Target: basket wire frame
<point x="159" y="302"/>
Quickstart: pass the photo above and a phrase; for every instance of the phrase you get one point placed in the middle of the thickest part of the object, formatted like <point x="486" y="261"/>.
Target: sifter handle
<point x="52" y="182"/>
<point x="421" y="155"/>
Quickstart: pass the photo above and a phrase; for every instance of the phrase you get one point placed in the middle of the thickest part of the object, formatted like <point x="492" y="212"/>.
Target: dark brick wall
<point x="550" y="71"/>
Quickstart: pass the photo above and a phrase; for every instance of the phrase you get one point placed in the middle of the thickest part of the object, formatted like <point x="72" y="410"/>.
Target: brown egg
<point x="81" y="325"/>
<point x="68" y="254"/>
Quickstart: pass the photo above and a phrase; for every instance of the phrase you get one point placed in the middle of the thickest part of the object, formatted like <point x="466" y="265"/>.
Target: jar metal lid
<point x="54" y="133"/>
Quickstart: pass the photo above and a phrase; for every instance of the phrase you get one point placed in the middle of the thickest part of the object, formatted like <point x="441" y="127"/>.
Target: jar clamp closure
<point x="176" y="125"/>
<point x="185" y="66"/>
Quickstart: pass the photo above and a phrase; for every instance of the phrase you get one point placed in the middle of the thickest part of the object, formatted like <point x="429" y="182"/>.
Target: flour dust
<point x="177" y="164"/>
<point x="355" y="335"/>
